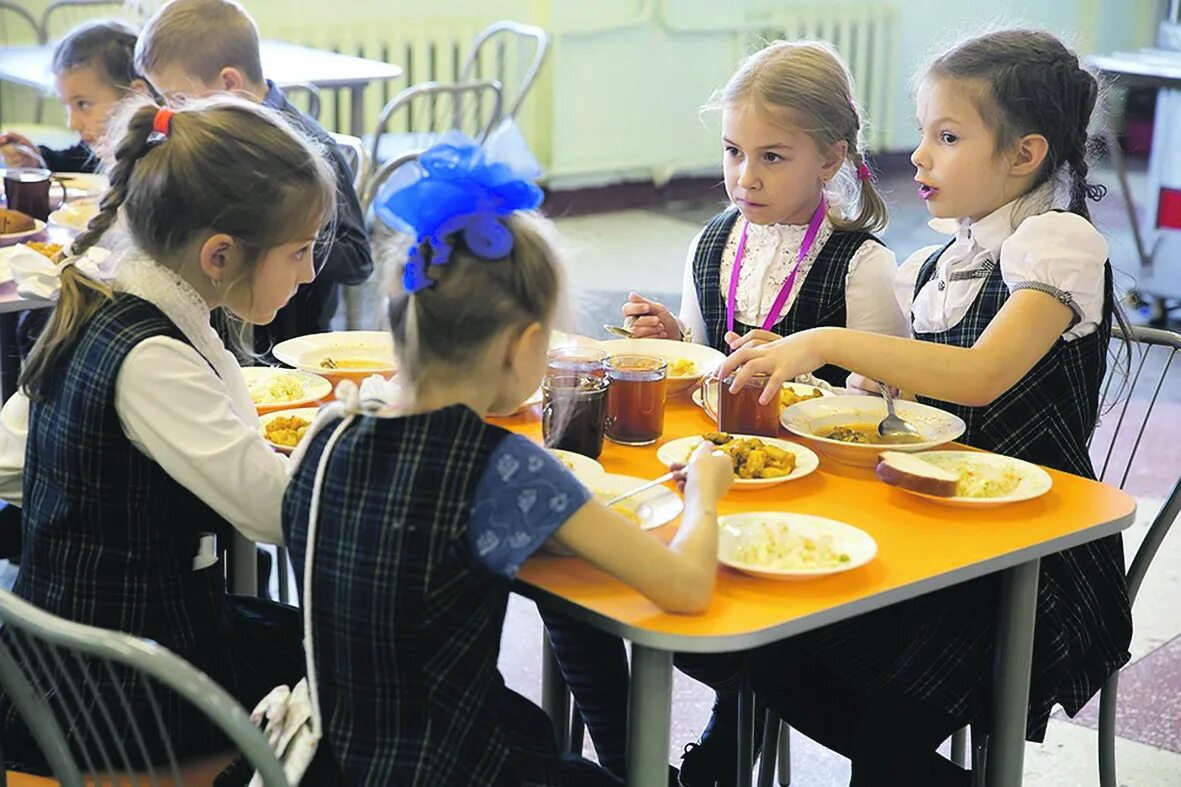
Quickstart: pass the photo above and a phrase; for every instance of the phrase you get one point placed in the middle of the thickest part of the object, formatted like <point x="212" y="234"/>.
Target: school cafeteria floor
<point x="644" y="249"/>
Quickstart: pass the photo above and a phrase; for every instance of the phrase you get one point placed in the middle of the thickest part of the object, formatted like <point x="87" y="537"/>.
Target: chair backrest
<point x="512" y="54"/>
<point x="20" y="11"/>
<point x="306" y="97"/>
<point x="1132" y="412"/>
<point x="357" y="156"/>
<point x="423" y="112"/>
<point x="384" y="173"/>
<point x="62" y="16"/>
<point x="61" y="676"/>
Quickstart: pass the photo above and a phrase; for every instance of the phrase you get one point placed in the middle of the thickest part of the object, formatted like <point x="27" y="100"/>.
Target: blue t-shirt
<point x="524" y="496"/>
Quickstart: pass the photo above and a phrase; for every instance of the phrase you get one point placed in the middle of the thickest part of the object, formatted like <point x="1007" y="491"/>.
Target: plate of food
<point x="780" y="545"/>
<point x="284" y="429"/>
<point x="343" y="355"/>
<point x="706" y="397"/>
<point x="845" y="428"/>
<point x="17" y="227"/>
<point x="584" y="468"/>
<point x="687" y="362"/>
<point x="758" y="461"/>
<point x="969" y="479"/>
<point x="649" y="509"/>
<point x="272" y="388"/>
<point x="80" y="185"/>
<point x="76" y="214"/>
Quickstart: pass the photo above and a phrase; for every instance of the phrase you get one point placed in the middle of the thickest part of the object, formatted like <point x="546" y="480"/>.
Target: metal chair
<point x="389" y="247"/>
<point x="75" y="12"/>
<point x="502" y="51"/>
<point x="60" y="676"/>
<point x="18" y="10"/>
<point x="310" y="95"/>
<point x="430" y="110"/>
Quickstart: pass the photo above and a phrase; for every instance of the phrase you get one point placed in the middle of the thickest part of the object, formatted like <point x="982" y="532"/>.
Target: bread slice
<point x="910" y="471"/>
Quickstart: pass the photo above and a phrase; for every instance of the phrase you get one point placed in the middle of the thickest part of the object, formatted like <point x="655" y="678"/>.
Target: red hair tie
<point x="162" y="125"/>
<point x="863" y="172"/>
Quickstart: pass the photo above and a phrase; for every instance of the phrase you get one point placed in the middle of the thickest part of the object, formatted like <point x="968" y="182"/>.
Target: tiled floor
<point x="644" y="250"/>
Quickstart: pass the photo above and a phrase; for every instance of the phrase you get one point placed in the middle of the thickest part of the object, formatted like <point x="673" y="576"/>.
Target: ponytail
<point x="81" y="297"/>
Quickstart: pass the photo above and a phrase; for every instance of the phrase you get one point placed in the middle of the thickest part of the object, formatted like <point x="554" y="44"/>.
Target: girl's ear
<point x="1029" y="153"/>
<point x="834" y="159"/>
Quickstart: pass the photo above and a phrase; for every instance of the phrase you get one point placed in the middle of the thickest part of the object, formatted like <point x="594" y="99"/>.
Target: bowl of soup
<point x="845" y="428"/>
<point x="343" y="355"/>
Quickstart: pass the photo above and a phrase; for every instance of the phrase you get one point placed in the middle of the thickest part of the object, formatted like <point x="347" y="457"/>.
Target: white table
<point x="286" y="64"/>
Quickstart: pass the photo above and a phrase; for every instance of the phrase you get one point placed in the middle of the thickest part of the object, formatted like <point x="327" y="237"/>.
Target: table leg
<point x="357" y="110"/>
<point x="555" y="696"/>
<point x="1011" y="675"/>
<point x="10" y="357"/>
<point x="244" y="566"/>
<point x="649" y="716"/>
<point x="746" y="727"/>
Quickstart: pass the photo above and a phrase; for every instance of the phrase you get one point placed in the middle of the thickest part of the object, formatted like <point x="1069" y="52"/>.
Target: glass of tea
<point x="26" y="189"/>
<point x="635" y="400"/>
<point x="573" y="411"/>
<point x="562" y="361"/>
<point x="741" y="413"/>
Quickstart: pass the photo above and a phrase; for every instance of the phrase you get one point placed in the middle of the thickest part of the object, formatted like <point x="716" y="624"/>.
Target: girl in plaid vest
<point x="425" y="511"/>
<point x="793" y="251"/>
<point x="1011" y="319"/>
<point x="133" y="436"/>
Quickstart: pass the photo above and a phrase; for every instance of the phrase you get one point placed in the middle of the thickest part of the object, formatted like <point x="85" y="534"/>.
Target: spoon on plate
<point x="892" y="425"/>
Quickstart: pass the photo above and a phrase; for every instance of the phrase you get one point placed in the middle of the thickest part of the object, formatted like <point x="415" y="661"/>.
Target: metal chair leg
<point x="746" y="724"/>
<point x="770" y="749"/>
<point x="959" y="747"/>
<point x="784" y="754"/>
<point x="1107" y="698"/>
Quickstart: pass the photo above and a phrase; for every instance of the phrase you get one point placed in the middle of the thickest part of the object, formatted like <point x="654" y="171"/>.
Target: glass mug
<point x="573" y="412"/>
<point x="26" y="189"/>
<point x="635" y="400"/>
<point x="741" y="413"/>
<point x="562" y="361"/>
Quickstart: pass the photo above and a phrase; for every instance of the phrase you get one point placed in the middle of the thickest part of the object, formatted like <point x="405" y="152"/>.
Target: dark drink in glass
<point x="635" y="400"/>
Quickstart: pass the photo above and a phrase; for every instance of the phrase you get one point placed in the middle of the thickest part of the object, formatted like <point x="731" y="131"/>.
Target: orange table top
<point x="922" y="546"/>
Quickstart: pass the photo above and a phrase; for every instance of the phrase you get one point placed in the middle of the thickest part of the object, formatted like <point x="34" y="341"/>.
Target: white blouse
<point x="767" y="260"/>
<point x="1060" y="254"/>
<point x="185" y="407"/>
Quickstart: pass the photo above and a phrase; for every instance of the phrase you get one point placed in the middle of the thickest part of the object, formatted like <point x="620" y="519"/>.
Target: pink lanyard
<point x="785" y="291"/>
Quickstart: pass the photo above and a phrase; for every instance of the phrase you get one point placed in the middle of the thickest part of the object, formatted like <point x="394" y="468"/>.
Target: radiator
<point x="866" y="35"/>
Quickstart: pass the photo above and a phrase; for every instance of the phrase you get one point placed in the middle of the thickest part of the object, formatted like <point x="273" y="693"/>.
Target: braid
<point x="135" y="144"/>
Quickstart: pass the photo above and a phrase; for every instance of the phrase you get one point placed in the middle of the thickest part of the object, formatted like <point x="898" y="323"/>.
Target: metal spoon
<point x="616" y="330"/>
<point x="892" y="425"/>
<point x="642" y="488"/>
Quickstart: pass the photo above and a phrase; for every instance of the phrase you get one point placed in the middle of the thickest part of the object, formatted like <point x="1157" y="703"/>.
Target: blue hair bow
<point x="459" y="191"/>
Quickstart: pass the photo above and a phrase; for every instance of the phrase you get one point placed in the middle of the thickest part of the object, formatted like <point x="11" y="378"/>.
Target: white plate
<point x="705" y="359"/>
<point x="711" y="405"/>
<point x="734" y="530"/>
<point x="1034" y="483"/>
<point x="11" y="238"/>
<point x="314" y="386"/>
<point x="82" y="184"/>
<point x="678" y="451"/>
<point x="290" y="351"/>
<point x="306" y="413"/>
<point x="662" y="503"/>
<point x="76" y="215"/>
<point x="807" y="418"/>
<point x="584" y="468"/>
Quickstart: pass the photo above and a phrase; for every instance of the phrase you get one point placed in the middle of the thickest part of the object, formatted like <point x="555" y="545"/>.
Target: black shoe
<point x="701" y="765"/>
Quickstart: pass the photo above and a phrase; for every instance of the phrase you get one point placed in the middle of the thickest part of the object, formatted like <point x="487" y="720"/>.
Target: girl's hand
<point x="650" y="320"/>
<point x="783" y="360"/>
<point x="17" y="150"/>
<point x="708" y="475"/>
<point x="752" y="339"/>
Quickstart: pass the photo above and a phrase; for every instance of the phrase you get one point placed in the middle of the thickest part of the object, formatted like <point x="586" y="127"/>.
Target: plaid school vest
<point x="820" y="301"/>
<point x="1084" y="616"/>
<point x="406" y="622"/>
<point x="108" y="536"/>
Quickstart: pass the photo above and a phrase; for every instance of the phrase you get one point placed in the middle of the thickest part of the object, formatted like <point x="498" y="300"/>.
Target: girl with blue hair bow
<point x="409" y="520"/>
